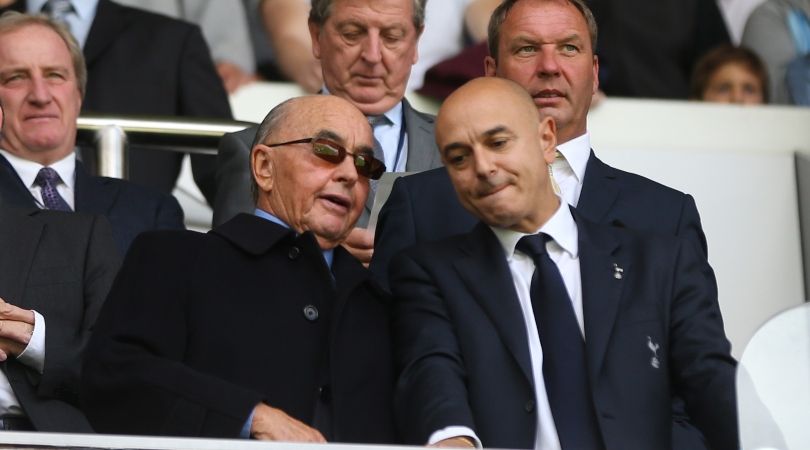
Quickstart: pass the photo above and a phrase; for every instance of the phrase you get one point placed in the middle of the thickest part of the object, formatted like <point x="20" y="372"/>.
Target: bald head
<point x="308" y="190"/>
<point x="489" y="93"/>
<point x="497" y="150"/>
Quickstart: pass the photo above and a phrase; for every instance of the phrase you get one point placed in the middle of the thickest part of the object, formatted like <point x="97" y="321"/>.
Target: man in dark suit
<point x="540" y="329"/>
<point x="371" y="71"/>
<point x="554" y="61"/>
<point x="264" y="327"/>
<point x="561" y="80"/>
<point x="41" y="94"/>
<point x="56" y="271"/>
<point x="141" y="63"/>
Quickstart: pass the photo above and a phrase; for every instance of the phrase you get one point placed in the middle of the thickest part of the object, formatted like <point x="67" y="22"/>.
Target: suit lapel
<point x="94" y="195"/>
<point x="422" y="153"/>
<point x="19" y="236"/>
<point x="599" y="191"/>
<point x="484" y="270"/>
<point x="599" y="259"/>
<point x="107" y="24"/>
<point x="12" y="188"/>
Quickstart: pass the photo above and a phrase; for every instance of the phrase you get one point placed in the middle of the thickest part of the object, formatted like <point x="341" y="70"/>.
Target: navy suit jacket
<point x="464" y="355"/>
<point x="200" y="328"/>
<point x="61" y="265"/>
<point x="130" y="208"/>
<point x="424" y="207"/>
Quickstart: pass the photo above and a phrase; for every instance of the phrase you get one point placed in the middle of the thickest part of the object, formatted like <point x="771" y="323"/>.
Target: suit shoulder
<point x="427" y="180"/>
<point x="140" y="16"/>
<point x="643" y="185"/>
<point x="137" y="191"/>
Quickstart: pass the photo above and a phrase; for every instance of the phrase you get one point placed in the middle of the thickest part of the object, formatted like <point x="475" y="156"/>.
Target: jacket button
<point x="325" y="393"/>
<point x="529" y="406"/>
<point x="311" y="313"/>
<point x="294" y="253"/>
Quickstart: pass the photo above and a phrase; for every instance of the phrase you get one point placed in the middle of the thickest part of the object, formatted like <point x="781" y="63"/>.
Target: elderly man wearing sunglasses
<point x="264" y="327"/>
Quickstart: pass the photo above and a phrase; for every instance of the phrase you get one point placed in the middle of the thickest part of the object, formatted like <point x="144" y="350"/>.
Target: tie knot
<point x="47" y="176"/>
<point x="57" y="8"/>
<point x="533" y="244"/>
<point x="375" y="121"/>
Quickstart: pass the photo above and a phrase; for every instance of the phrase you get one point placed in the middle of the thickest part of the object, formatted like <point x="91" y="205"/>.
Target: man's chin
<point x="372" y="100"/>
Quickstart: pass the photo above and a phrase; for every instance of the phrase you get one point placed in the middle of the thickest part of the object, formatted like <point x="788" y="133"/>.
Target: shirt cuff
<point x="245" y="433"/>
<point x="33" y="355"/>
<point x="454" y="431"/>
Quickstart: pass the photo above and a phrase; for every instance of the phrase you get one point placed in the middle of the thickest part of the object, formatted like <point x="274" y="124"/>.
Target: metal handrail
<point x="111" y="134"/>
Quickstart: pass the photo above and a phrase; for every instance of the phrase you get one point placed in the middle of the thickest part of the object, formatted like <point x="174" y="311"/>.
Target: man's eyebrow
<point x="496" y="130"/>
<point x="329" y="134"/>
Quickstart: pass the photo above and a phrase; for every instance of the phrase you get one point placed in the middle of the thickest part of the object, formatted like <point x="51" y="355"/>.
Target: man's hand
<point x="455" y="442"/>
<point x="16" y="328"/>
<point x="360" y="243"/>
<point x="271" y="424"/>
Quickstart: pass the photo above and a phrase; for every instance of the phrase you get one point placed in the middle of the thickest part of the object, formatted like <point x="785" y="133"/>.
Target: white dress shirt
<point x="27" y="170"/>
<point x="79" y="21"/>
<point x="563" y="250"/>
<point x="569" y="171"/>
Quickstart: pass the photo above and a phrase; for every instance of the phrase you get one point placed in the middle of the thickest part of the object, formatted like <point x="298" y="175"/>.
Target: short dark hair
<point x="322" y="9"/>
<point x="719" y="56"/>
<point x="500" y="13"/>
<point x="12" y="21"/>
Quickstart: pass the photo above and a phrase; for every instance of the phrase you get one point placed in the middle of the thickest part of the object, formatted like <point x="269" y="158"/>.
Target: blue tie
<point x="48" y="179"/>
<point x="564" y="366"/>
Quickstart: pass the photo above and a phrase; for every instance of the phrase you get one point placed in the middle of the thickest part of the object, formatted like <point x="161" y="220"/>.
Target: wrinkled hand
<point x="360" y="243"/>
<point x="455" y="442"/>
<point x="16" y="328"/>
<point x="271" y="424"/>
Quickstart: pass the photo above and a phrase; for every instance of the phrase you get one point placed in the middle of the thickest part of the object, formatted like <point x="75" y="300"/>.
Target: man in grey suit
<point x="56" y="271"/>
<point x="366" y="51"/>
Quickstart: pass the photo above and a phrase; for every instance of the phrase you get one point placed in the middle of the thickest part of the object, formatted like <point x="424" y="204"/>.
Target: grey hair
<point x="322" y="9"/>
<point x="13" y="21"/>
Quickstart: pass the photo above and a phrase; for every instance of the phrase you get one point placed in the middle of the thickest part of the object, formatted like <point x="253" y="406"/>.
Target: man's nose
<point x="547" y="63"/>
<point x="40" y="92"/>
<point x="372" y="47"/>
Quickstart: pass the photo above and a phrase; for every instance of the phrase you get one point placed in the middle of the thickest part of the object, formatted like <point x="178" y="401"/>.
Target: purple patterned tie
<point x="47" y="179"/>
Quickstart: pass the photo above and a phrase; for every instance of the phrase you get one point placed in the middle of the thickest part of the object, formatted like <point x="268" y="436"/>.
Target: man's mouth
<point x="341" y="202"/>
<point x="547" y="94"/>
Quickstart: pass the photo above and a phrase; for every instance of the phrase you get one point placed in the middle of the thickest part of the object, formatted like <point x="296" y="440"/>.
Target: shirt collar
<point x="27" y="170"/>
<point x="328" y="255"/>
<point x="576" y="153"/>
<point x="84" y="9"/>
<point x="394" y="115"/>
<point x="561" y="227"/>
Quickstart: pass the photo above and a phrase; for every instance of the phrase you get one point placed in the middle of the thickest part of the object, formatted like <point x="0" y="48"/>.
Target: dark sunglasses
<point x="365" y="163"/>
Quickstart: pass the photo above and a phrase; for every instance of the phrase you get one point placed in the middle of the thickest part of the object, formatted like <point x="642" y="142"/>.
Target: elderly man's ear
<point x="262" y="165"/>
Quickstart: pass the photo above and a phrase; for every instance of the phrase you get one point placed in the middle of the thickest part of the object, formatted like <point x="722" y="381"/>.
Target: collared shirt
<point x="328" y="255"/>
<point x="27" y="170"/>
<point x="79" y="21"/>
<point x="569" y="171"/>
<point x="563" y="250"/>
<point x="389" y="135"/>
<point x="32" y="356"/>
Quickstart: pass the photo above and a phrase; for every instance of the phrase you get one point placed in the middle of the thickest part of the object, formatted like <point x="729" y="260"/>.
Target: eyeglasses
<point x="365" y="163"/>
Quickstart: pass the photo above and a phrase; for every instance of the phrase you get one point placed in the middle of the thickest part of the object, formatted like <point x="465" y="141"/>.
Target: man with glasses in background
<point x="265" y="327"/>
